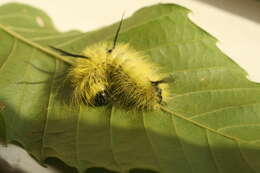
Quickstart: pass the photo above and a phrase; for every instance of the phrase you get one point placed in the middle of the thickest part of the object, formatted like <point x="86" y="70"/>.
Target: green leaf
<point x="211" y="125"/>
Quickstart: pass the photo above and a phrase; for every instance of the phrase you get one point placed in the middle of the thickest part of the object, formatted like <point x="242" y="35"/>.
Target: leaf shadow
<point x="170" y="153"/>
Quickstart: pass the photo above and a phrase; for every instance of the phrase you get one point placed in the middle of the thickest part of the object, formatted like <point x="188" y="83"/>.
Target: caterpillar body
<point x="110" y="73"/>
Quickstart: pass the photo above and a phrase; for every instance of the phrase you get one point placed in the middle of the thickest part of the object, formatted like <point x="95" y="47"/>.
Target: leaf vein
<point x="237" y="126"/>
<point x="152" y="146"/>
<point x="111" y="143"/>
<point x="35" y="45"/>
<point x="54" y="37"/>
<point x="10" y="54"/>
<point x="50" y="97"/>
<point x="215" y="90"/>
<point x="180" y="142"/>
<point x="36" y="30"/>
<point x="211" y="152"/>
<point x="244" y="158"/>
<point x="166" y="110"/>
<point x="77" y="136"/>
<point x="221" y="109"/>
<point x="204" y="68"/>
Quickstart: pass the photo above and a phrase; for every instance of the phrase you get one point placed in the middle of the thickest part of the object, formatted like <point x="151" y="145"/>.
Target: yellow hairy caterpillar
<point x="115" y="73"/>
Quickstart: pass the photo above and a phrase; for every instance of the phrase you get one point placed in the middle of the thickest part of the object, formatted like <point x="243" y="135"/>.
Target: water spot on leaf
<point x="40" y="21"/>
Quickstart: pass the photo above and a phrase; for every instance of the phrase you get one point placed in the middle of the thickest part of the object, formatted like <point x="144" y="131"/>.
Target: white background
<point x="236" y="24"/>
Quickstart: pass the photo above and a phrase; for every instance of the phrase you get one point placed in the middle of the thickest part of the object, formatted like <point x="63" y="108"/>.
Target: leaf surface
<point x="211" y="124"/>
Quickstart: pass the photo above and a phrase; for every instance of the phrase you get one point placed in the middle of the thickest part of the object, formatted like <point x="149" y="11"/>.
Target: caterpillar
<point x="115" y="73"/>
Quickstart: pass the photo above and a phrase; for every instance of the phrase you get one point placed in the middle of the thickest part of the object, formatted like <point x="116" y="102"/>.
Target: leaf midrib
<point x="35" y="45"/>
<point x="179" y="115"/>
